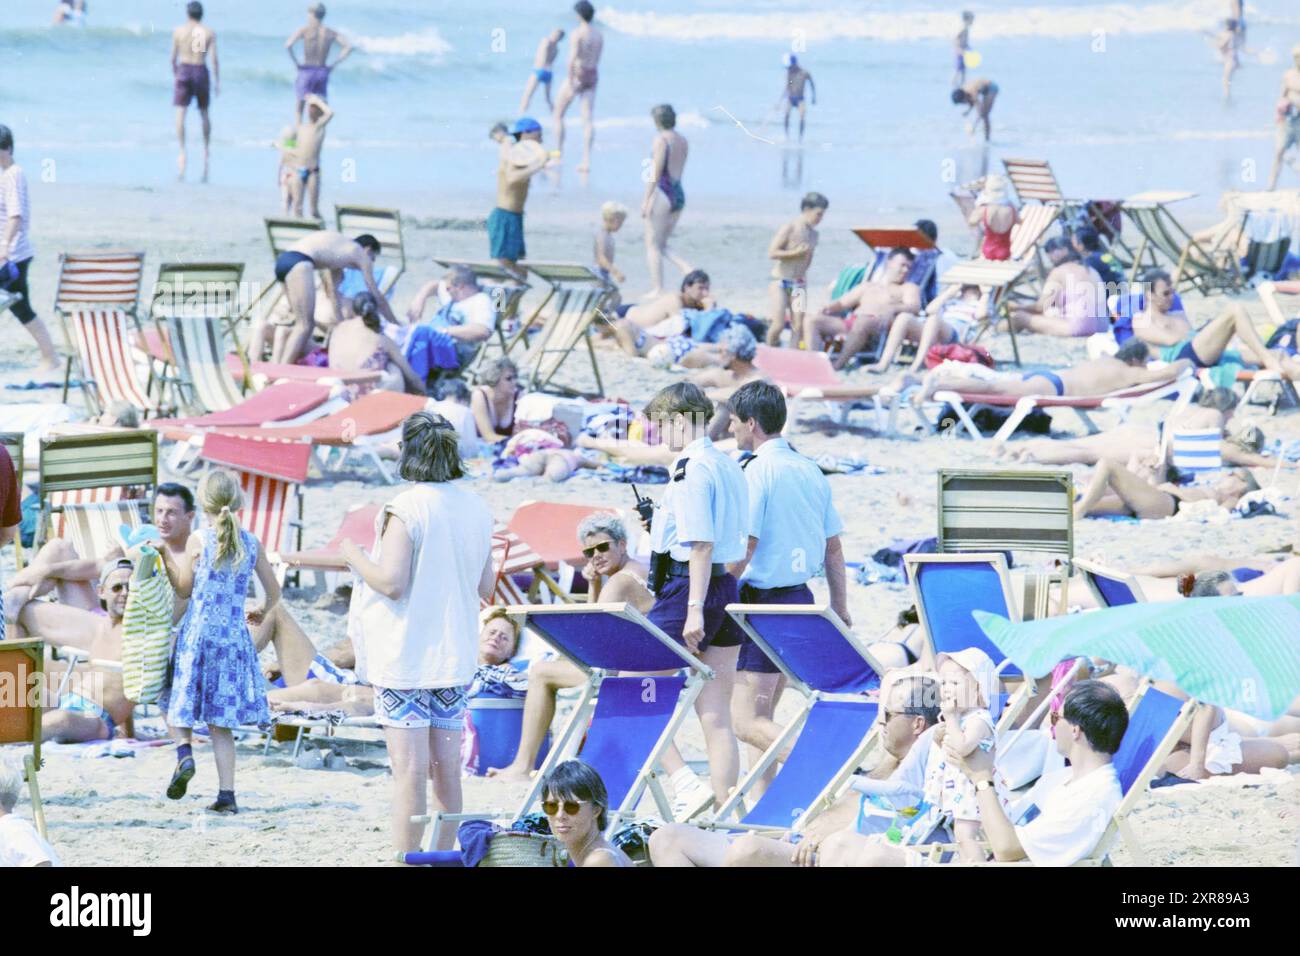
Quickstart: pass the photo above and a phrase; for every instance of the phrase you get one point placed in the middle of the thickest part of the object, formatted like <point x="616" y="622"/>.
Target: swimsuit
<point x="1182" y="350"/>
<point x="1057" y="385"/>
<point x="543" y="76"/>
<point x="789" y="285"/>
<point x="672" y="188"/>
<point x="996" y="245"/>
<point x="506" y="234"/>
<point x="312" y="79"/>
<point x="76" y="704"/>
<point x="795" y="99"/>
<point x="1288" y="133"/>
<point x="191" y="82"/>
<point x="304" y="173"/>
<point x="285" y="262"/>
<point x="585" y="79"/>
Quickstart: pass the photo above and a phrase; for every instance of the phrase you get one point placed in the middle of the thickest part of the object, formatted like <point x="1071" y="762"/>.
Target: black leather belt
<point x="682" y="569"/>
<point x="786" y="589"/>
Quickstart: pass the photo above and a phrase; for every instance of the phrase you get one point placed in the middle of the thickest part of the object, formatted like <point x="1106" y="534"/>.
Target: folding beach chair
<point x="577" y="295"/>
<point x="358" y="525"/>
<point x="202" y="379"/>
<point x="12" y="442"/>
<point x="262" y="374"/>
<point x="271" y="474"/>
<point x="1111" y="588"/>
<point x="831" y="735"/>
<point x="549" y="529"/>
<point x="22" y="665"/>
<point x="882" y="241"/>
<point x="113" y="470"/>
<point x="1156" y="723"/>
<point x="967" y="404"/>
<point x="809" y="376"/>
<point x="621" y="726"/>
<point x="386" y="226"/>
<point x="512" y="557"/>
<point x="192" y="292"/>
<point x="1035" y="182"/>
<point x="507" y="295"/>
<point x="373" y="420"/>
<point x="105" y="280"/>
<point x="995" y="278"/>
<point x="1208" y="267"/>
<point x="110" y="371"/>
<point x="997" y="511"/>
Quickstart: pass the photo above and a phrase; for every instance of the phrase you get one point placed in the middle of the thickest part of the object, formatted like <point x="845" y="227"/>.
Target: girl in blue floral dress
<point x="214" y="677"/>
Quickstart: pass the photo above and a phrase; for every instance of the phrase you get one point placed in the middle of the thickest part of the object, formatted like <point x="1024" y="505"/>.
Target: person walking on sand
<point x="584" y="58"/>
<point x="1288" y="117"/>
<point x="977" y="95"/>
<point x="796" y="77"/>
<point x="214" y="677"/>
<point x="315" y="68"/>
<point x="192" y="44"/>
<point x="792" y="251"/>
<point x="546" y="52"/>
<point x="664" y="197"/>
<point x="16" y="251"/>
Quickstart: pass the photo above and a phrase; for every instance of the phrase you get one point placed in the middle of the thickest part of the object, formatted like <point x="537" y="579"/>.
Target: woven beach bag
<point x="524" y="849"/>
<point x="146" y="632"/>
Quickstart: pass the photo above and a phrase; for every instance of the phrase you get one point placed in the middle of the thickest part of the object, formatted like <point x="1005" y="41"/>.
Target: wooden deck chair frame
<point x="567" y="743"/>
<point x="385" y="225"/>
<point x="128" y="459"/>
<point x="20" y="660"/>
<point x="104" y="346"/>
<point x="13" y="443"/>
<point x="1034" y="180"/>
<point x="507" y="295"/>
<point x="207" y="290"/>
<point x="789" y="734"/>
<point x="580" y="296"/>
<point x="1206" y="268"/>
<point x="1060" y="484"/>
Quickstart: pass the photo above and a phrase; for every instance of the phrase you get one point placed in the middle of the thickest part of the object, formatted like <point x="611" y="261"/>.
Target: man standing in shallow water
<point x="584" y="55"/>
<point x="192" y="43"/>
<point x="314" y="70"/>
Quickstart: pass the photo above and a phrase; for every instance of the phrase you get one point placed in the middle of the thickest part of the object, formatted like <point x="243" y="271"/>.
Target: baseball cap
<point x="789" y="59"/>
<point x="525" y="124"/>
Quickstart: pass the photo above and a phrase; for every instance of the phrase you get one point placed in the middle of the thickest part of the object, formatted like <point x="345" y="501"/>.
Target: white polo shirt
<point x="14" y="202"/>
<point x="1073" y="815"/>
<point x="706" y="500"/>
<point x="790" y="513"/>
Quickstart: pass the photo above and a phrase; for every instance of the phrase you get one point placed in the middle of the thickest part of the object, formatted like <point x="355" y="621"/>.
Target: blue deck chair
<point x="620" y="725"/>
<point x="1156" y="723"/>
<point x="833" y="733"/>
<point x="1111" y="588"/>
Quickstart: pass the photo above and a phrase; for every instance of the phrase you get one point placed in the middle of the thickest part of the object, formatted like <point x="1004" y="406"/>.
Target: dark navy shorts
<point x="669" y="612"/>
<point x="752" y="657"/>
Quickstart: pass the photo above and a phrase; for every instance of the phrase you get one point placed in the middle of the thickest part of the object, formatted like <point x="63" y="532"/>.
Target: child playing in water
<point x="792" y="248"/>
<point x="967" y="688"/>
<point x="214" y="677"/>
<point x="961" y="44"/>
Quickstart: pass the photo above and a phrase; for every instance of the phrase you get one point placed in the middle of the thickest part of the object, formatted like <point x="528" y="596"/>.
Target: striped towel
<point x="146" y="631"/>
<point x="1196" y="451"/>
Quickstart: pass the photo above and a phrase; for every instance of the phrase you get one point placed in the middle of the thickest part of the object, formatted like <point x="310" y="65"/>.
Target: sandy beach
<point x="107" y="811"/>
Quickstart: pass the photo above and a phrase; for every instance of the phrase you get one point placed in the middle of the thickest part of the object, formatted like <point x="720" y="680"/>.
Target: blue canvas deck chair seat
<point x="620" y="726"/>
<point x="1012" y="511"/>
<point x="833" y="732"/>
<point x="1156" y="722"/>
<point x="1111" y="588"/>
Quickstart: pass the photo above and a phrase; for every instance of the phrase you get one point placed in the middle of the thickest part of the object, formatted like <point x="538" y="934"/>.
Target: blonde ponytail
<point x="221" y="498"/>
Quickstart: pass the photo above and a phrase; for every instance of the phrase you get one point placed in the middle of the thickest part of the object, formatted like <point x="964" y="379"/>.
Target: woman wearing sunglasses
<point x="575" y="803"/>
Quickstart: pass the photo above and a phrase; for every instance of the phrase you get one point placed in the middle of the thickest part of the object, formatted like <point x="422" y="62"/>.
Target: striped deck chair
<point x="110" y="369"/>
<point x="212" y="289"/>
<point x="507" y="295"/>
<point x="997" y="511"/>
<point x="1027" y="235"/>
<point x="203" y="381"/>
<point x="1034" y="181"/>
<point x="511" y="555"/>
<point x="270" y="473"/>
<point x="114" y="470"/>
<point x="103" y="279"/>
<point x="1205" y="266"/>
<point x="577" y="295"/>
<point x="386" y="226"/>
<point x="358" y="525"/>
<point x="21" y="665"/>
<point x="12" y="442"/>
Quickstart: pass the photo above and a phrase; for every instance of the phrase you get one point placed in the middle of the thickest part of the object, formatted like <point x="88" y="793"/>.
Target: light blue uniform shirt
<point x="790" y="513"/>
<point x="706" y="500"/>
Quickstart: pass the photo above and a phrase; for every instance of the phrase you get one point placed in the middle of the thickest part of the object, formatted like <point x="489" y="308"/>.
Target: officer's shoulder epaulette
<point x="679" y="473"/>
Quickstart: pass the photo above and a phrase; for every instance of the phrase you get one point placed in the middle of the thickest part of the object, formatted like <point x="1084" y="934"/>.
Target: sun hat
<point x="789" y="59"/>
<point x="525" y="124"/>
<point x="980" y="666"/>
<point x="996" y="191"/>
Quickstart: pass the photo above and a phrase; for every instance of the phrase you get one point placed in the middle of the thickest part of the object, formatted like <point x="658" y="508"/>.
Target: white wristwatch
<point x="695" y="604"/>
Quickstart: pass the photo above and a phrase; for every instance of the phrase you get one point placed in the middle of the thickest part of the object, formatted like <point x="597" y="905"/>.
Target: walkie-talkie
<point x="644" y="507"/>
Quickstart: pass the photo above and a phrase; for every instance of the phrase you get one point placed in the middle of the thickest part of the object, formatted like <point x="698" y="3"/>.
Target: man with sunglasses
<point x="909" y="713"/>
<point x="794" y="533"/>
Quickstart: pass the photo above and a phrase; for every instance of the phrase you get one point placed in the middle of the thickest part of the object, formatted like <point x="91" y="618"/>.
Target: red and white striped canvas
<point x="264" y="513"/>
<point x="510" y="555"/>
<point x="103" y="341"/>
<point x="64" y="523"/>
<point x="268" y="470"/>
<point x="99" y="278"/>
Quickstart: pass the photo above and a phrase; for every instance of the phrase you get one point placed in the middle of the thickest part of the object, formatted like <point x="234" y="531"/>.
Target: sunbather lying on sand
<point x="1091" y="378"/>
<point x="1116" y="490"/>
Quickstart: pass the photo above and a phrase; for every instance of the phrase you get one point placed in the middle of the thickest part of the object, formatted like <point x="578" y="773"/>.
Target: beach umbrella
<point x="1236" y="652"/>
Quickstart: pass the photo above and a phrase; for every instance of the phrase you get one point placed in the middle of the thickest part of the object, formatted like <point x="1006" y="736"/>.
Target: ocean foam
<point x="898" y="26"/>
<point x="423" y="43"/>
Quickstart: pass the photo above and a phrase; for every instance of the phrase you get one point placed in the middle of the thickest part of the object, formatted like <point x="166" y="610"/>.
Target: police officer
<point x="698" y="529"/>
<point x="794" y="532"/>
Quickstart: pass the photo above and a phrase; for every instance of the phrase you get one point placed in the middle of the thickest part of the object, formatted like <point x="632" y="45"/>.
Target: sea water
<point x="1121" y="97"/>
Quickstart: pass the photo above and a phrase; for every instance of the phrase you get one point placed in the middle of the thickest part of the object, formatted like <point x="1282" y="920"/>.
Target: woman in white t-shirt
<point x="414" y="619"/>
<point x="20" y="844"/>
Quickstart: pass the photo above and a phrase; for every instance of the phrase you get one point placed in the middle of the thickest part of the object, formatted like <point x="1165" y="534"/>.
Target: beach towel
<point x="956" y="352"/>
<point x="31" y="386"/>
<point x="845" y="465"/>
<point x="146" y="630"/>
<point x="706" y="325"/>
<point x="640" y="474"/>
<point x="428" y="349"/>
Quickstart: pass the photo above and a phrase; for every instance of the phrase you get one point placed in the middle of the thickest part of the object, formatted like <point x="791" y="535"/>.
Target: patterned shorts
<point x="440" y="707"/>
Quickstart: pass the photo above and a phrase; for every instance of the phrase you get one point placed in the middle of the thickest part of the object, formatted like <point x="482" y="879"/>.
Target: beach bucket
<point x="498" y="722"/>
